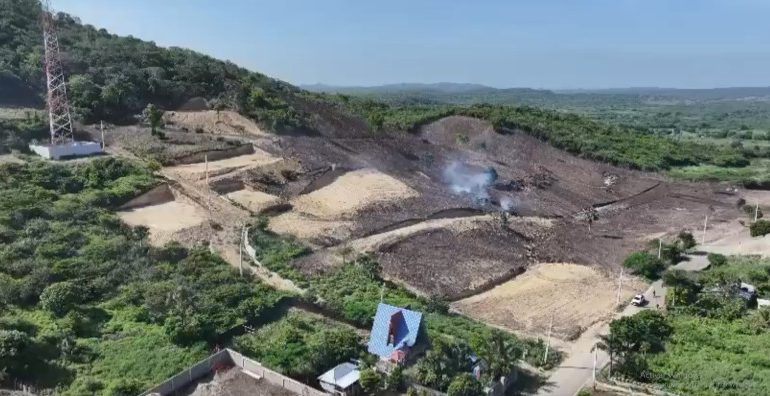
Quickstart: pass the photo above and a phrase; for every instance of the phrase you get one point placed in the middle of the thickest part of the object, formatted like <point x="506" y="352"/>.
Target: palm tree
<point x="500" y="353"/>
<point x="607" y="344"/>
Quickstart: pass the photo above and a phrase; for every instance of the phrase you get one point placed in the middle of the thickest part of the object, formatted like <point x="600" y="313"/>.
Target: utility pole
<point x="101" y="127"/>
<point x="240" y="250"/>
<point x="382" y="293"/>
<point x="596" y="352"/>
<point x="705" y="224"/>
<point x="208" y="187"/>
<point x="660" y="247"/>
<point x="548" y="344"/>
<point x="756" y="212"/>
<point x="620" y="286"/>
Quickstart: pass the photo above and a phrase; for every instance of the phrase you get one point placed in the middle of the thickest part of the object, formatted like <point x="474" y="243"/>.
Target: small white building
<point x="341" y="380"/>
<point x="66" y="150"/>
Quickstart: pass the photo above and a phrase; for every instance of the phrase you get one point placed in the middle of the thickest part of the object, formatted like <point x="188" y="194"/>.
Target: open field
<point x="573" y="296"/>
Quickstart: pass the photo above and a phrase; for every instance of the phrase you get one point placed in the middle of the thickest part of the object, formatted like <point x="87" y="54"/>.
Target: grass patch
<point x="301" y="346"/>
<point x="713" y="357"/>
<point x="757" y="174"/>
<point x="276" y="252"/>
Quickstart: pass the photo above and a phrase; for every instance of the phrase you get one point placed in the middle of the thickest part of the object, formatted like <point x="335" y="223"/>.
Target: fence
<point x="230" y="357"/>
<point x="629" y="387"/>
<point x="200" y="369"/>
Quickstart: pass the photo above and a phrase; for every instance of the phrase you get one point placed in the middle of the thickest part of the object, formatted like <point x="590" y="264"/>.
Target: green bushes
<point x="60" y="298"/>
<point x="645" y="264"/>
<point x="301" y="346"/>
<point x="95" y="301"/>
<point x="716" y="260"/>
<point x="276" y="253"/>
<point x="760" y="228"/>
<point x="465" y="385"/>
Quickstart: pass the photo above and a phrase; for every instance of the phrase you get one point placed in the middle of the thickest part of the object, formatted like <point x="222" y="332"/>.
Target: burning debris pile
<point x="476" y="182"/>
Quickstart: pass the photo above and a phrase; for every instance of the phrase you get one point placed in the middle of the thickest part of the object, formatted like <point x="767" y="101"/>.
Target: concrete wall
<point x="73" y="149"/>
<point x="273" y="377"/>
<point x="230" y="357"/>
<point x="192" y="374"/>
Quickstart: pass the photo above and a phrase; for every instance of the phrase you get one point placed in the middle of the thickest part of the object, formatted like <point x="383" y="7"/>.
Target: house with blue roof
<point x="395" y="333"/>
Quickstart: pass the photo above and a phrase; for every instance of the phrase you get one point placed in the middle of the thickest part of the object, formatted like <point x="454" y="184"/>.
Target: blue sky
<point x="515" y="43"/>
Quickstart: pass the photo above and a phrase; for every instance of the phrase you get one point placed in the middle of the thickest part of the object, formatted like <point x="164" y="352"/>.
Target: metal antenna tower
<point x="58" y="106"/>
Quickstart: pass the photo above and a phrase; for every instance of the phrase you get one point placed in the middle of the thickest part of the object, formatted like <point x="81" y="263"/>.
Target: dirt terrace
<point x="389" y="195"/>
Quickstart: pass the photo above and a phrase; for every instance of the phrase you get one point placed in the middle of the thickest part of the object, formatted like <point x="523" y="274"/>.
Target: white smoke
<point x="464" y="179"/>
<point x="506" y="204"/>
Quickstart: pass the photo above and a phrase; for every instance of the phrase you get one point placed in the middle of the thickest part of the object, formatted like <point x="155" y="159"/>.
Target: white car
<point x="638" y="300"/>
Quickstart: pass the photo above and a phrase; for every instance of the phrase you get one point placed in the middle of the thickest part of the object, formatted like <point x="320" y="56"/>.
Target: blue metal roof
<point x="407" y="327"/>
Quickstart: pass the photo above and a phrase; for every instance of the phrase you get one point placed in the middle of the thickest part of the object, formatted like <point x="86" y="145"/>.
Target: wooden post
<point x="548" y="344"/>
<point x="596" y="352"/>
<point x="208" y="188"/>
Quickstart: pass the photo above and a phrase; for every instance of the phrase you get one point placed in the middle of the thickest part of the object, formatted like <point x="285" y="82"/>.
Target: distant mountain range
<point x="447" y="92"/>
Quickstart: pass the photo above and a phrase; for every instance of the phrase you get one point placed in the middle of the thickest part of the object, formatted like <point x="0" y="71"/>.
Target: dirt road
<point x="576" y="371"/>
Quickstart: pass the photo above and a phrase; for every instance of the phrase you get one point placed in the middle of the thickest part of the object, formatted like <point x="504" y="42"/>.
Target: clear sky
<point x="502" y="43"/>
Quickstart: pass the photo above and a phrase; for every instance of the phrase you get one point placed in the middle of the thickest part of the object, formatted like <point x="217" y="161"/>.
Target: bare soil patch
<point x="164" y="219"/>
<point x="254" y="201"/>
<point x="197" y="171"/>
<point x="576" y="296"/>
<point x="734" y="238"/>
<point x="223" y="122"/>
<point x="316" y="231"/>
<point x="351" y="193"/>
<point x="448" y="263"/>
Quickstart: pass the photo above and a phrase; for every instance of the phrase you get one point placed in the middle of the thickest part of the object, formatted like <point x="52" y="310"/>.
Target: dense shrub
<point x="760" y="228"/>
<point x="644" y="264"/>
<point x="716" y="259"/>
<point x="465" y="385"/>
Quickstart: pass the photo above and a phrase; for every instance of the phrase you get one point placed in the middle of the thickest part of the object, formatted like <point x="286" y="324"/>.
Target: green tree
<point x="465" y="385"/>
<point x="500" y="353"/>
<point x="644" y="264"/>
<point x="13" y="345"/>
<point x="370" y="381"/>
<point x="687" y="240"/>
<point x="396" y="379"/>
<point x="716" y="259"/>
<point x="760" y="228"/>
<point x="60" y="298"/>
<point x="153" y="116"/>
<point x="643" y="332"/>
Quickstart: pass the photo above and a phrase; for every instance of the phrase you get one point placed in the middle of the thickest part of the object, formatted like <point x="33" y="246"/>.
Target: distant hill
<point x="461" y="93"/>
<point x="444" y="87"/>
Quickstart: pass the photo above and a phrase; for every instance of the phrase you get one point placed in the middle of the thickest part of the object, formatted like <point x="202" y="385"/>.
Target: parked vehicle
<point x="639" y="300"/>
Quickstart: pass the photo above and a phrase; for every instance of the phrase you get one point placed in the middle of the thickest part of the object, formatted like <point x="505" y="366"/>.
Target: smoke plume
<point x="465" y="179"/>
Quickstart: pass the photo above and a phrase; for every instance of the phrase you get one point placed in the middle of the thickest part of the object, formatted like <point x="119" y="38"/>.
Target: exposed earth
<point x="574" y="296"/>
<point x="456" y="209"/>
